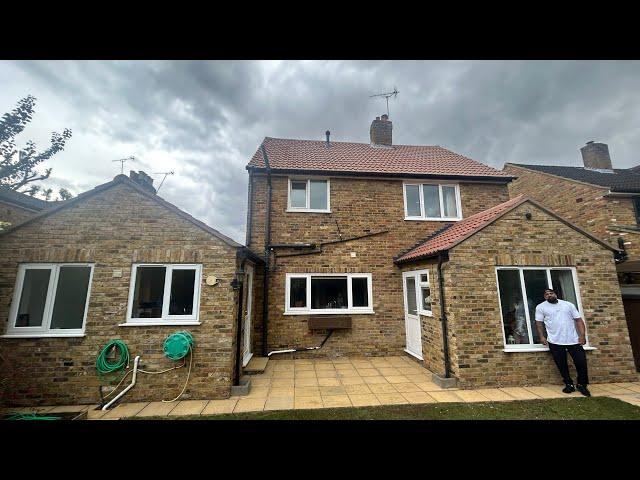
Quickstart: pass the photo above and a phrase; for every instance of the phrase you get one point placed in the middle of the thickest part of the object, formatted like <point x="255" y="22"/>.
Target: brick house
<point x="16" y="207"/>
<point x="601" y="199"/>
<point x="338" y="223"/>
<point x="119" y="262"/>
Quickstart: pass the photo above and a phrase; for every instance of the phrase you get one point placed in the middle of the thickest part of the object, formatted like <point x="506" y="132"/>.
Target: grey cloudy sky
<point x="204" y="119"/>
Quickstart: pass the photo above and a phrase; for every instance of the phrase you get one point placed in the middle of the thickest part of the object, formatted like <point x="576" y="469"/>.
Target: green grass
<point x="598" y="408"/>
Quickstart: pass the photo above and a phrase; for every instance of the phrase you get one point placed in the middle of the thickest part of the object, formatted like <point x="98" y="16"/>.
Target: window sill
<point x="295" y="210"/>
<point x="166" y="323"/>
<point x="426" y="314"/>
<point x="436" y="219"/>
<point x="342" y="312"/>
<point x="538" y="349"/>
<point x="43" y="335"/>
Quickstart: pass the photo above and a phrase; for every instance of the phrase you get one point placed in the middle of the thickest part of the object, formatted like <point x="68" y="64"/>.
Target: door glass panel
<point x="298" y="293"/>
<point x="413" y="200"/>
<point x="535" y="281"/>
<point x="299" y="194"/>
<point x="182" y="292"/>
<point x="426" y="299"/>
<point x="513" y="313"/>
<point x="71" y="297"/>
<point x="449" y="199"/>
<point x="360" y="292"/>
<point x="318" y="194"/>
<point x="149" y="292"/>
<point x="328" y="292"/>
<point x="431" y="200"/>
<point x="33" y="297"/>
<point x="562" y="281"/>
<point x="412" y="305"/>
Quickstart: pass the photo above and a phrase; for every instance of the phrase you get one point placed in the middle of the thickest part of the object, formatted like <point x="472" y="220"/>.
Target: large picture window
<point x="309" y="195"/>
<point x="432" y="201"/>
<point x="328" y="293"/>
<point x="164" y="293"/>
<point x="521" y="290"/>
<point x="50" y="299"/>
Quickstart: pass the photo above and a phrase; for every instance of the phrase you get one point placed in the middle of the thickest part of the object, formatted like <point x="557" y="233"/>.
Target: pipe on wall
<point x="236" y="372"/>
<point x="443" y="319"/>
<point x="267" y="242"/>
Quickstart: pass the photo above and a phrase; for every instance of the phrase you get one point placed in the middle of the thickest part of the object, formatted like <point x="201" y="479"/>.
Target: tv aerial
<point x="163" y="178"/>
<point x="387" y="95"/>
<point x="122" y="160"/>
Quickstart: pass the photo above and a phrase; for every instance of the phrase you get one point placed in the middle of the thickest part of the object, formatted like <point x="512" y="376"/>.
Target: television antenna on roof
<point x="122" y="160"/>
<point x="386" y="96"/>
<point x="163" y="179"/>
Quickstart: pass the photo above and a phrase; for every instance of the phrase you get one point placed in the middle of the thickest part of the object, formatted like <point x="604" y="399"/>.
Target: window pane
<point x="535" y="281"/>
<point x="513" y="313"/>
<point x="149" y="292"/>
<point x="411" y="296"/>
<point x="562" y="281"/>
<point x="318" y="194"/>
<point x="449" y="199"/>
<point x="360" y="292"/>
<point x="299" y="194"/>
<point x="328" y="292"/>
<point x="424" y="278"/>
<point x="182" y="290"/>
<point x="33" y="297"/>
<point x="431" y="200"/>
<point x="71" y="297"/>
<point x="413" y="200"/>
<point x="426" y="299"/>
<point x="298" y="293"/>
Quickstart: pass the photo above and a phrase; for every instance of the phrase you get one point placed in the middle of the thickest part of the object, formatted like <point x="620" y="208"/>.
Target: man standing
<point x="565" y="333"/>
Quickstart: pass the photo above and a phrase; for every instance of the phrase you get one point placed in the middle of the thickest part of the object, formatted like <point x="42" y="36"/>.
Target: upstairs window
<point x="308" y="195"/>
<point x="50" y="299"/>
<point x="432" y="201"/>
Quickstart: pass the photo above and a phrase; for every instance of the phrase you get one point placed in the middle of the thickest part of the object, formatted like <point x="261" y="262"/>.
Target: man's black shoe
<point x="583" y="390"/>
<point x="568" y="388"/>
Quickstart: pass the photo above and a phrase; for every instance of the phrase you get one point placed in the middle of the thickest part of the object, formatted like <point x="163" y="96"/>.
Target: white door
<point x="247" y="318"/>
<point x="411" y="317"/>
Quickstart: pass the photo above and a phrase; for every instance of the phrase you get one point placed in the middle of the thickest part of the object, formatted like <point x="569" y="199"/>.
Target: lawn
<point x="594" y="408"/>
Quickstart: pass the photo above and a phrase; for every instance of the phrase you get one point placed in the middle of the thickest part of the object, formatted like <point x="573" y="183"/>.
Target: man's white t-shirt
<point x="559" y="321"/>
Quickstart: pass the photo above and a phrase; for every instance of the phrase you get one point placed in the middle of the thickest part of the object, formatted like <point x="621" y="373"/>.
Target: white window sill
<point x="538" y="349"/>
<point x="306" y="210"/>
<point x="165" y="323"/>
<point x="43" y="335"/>
<point x="433" y="219"/>
<point x="333" y="312"/>
<point x="426" y="313"/>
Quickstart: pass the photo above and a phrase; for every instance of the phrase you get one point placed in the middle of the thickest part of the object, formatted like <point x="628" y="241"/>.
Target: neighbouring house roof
<point x="123" y="179"/>
<point x="625" y="180"/>
<point x="455" y="233"/>
<point x="21" y="200"/>
<point x="363" y="158"/>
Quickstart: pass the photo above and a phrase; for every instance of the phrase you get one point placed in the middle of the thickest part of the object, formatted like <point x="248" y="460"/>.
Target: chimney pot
<point x="596" y="156"/>
<point x="328" y="134"/>
<point x="142" y="179"/>
<point x="381" y="131"/>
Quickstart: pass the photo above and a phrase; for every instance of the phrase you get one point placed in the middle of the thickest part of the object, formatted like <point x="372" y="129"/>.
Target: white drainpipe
<point x="133" y="382"/>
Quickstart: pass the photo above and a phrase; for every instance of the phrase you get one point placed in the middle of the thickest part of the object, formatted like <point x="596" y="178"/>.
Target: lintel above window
<point x="309" y="195"/>
<point x="432" y="201"/>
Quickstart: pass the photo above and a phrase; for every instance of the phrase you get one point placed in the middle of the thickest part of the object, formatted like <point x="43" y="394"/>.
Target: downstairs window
<point x="328" y="293"/>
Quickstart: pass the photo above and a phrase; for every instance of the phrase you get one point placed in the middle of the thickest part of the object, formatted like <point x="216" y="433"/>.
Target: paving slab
<point x="364" y="400"/>
<point x="445" y="397"/>
<point x="520" y="393"/>
<point x="308" y="402"/>
<point x="256" y="365"/>
<point x="391" y="398"/>
<point x="189" y="407"/>
<point x="125" y="410"/>
<point x="383" y="388"/>
<point x="155" y="409"/>
<point x="407" y="387"/>
<point x="358" y="389"/>
<point x="332" y="401"/>
<point x="279" y="403"/>
<point x="418" y="397"/>
<point x="495" y="394"/>
<point x="469" y="396"/>
<point x="216" y="407"/>
<point x="329" y="382"/>
<point x="249" y="405"/>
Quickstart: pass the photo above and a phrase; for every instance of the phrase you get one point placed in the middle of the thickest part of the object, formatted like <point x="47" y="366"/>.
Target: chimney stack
<point x="596" y="156"/>
<point x="381" y="131"/>
<point x="142" y="179"/>
<point x="328" y="134"/>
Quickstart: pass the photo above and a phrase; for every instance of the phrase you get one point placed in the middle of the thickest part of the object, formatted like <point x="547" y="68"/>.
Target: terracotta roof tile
<point x="348" y="157"/>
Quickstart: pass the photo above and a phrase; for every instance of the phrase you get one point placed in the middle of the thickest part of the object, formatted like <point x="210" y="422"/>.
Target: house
<point x="119" y="262"/>
<point x="601" y="199"/>
<point x="368" y="244"/>
<point x="15" y="207"/>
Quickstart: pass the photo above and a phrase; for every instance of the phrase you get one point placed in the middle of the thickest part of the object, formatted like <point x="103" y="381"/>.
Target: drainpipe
<point x="129" y="387"/>
<point x="443" y="319"/>
<point x="267" y="242"/>
<point x="249" y="210"/>
<point x="238" y="365"/>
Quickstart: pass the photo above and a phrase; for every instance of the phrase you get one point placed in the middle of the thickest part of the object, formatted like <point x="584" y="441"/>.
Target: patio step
<point x="256" y="365"/>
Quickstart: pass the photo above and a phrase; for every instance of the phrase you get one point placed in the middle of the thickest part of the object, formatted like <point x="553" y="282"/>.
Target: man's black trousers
<point x="559" y="353"/>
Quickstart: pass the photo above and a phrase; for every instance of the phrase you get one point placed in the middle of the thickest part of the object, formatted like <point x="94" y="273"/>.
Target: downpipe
<point x="129" y="387"/>
<point x="304" y="349"/>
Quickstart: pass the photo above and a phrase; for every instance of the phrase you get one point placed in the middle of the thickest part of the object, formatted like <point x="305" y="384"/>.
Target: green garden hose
<point x="178" y="345"/>
<point x="104" y="366"/>
<point x="31" y="416"/>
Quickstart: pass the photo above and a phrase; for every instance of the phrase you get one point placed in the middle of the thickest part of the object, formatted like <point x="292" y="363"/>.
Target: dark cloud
<point x="205" y="119"/>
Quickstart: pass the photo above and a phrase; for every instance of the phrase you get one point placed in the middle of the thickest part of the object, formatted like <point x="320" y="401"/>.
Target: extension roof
<point x="21" y="200"/>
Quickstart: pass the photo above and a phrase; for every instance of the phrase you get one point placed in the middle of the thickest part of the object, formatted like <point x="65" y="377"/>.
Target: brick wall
<point x="14" y="214"/>
<point x="579" y="203"/>
<point x="357" y="205"/>
<point x="114" y="229"/>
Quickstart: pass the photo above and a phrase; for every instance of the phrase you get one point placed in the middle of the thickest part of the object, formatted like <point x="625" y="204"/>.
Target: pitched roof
<point x="363" y="158"/>
<point x="123" y="179"/>
<point x="619" y="180"/>
<point x="20" y="199"/>
<point x="456" y="233"/>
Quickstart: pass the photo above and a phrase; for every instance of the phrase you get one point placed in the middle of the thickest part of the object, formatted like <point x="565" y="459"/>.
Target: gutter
<point x="267" y="242"/>
<point x="237" y="366"/>
<point x="443" y="319"/>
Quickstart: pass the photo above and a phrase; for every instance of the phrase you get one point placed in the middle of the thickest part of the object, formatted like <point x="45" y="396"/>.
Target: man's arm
<point x="581" y="330"/>
<point x="540" y="328"/>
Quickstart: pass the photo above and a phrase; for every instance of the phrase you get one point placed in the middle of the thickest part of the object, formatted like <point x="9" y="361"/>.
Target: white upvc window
<point x="50" y="300"/>
<point x="423" y="291"/>
<point x="328" y="293"/>
<point x="164" y="294"/>
<point x="520" y="290"/>
<point x="432" y="201"/>
<point x="309" y="195"/>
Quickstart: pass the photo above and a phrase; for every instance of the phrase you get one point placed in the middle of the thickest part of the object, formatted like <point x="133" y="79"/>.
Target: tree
<point x="17" y="167"/>
<point x="64" y="194"/>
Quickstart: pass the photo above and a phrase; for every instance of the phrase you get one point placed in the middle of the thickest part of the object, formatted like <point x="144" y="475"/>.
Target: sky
<point x="204" y="120"/>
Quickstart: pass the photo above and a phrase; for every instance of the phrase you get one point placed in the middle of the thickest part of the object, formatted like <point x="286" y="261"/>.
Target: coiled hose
<point x="104" y="366"/>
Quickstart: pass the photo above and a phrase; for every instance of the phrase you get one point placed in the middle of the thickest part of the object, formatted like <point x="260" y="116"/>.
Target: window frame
<point x="422" y="216"/>
<point x="307" y="310"/>
<point x="307" y="207"/>
<point x="535" y="347"/>
<point x="45" y="329"/>
<point x="419" y="284"/>
<point x="165" y="318"/>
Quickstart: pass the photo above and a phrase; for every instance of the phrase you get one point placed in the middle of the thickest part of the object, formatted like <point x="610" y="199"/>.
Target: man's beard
<point x="555" y="300"/>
